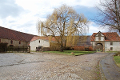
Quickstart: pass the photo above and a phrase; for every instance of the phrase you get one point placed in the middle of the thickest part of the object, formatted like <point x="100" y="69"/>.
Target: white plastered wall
<point x="35" y="43"/>
<point x="97" y="39"/>
<point x="116" y="46"/>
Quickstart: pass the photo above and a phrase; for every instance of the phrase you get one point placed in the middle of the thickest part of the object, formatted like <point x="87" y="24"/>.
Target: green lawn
<point x="117" y="60"/>
<point x="111" y="51"/>
<point x="68" y="52"/>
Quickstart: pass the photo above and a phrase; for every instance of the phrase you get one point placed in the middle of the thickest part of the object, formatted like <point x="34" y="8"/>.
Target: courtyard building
<point x="12" y="38"/>
<point x="109" y="41"/>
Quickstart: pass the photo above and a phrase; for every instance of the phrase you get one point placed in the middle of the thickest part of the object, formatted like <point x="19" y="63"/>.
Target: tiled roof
<point x="6" y="33"/>
<point x="79" y="43"/>
<point x="84" y="40"/>
<point x="35" y="38"/>
<point x="43" y="37"/>
<point x="109" y="36"/>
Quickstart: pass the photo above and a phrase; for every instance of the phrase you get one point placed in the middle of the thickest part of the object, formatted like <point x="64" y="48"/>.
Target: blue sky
<point x="22" y="15"/>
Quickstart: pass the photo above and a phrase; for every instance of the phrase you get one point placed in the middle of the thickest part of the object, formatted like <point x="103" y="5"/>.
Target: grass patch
<point x="98" y="77"/>
<point x="111" y="51"/>
<point x="117" y="60"/>
<point x="68" y="52"/>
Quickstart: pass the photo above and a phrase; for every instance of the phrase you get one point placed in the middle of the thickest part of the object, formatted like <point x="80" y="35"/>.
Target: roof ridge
<point x="110" y="36"/>
<point x="17" y="31"/>
<point x="7" y="33"/>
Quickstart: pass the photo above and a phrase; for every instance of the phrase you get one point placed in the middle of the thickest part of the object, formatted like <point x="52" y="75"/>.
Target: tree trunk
<point x="61" y="48"/>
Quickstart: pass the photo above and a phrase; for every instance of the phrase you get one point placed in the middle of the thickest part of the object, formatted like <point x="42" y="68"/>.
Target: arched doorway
<point x="99" y="47"/>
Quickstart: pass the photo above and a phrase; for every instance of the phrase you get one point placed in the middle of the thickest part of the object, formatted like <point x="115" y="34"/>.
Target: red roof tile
<point x="6" y="33"/>
<point x="35" y="38"/>
<point x="109" y="36"/>
<point x="44" y="38"/>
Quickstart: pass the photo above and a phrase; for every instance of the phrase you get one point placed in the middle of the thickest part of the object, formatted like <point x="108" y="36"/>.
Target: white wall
<point x="35" y="43"/>
<point x="93" y="43"/>
<point x="97" y="39"/>
<point x="116" y="46"/>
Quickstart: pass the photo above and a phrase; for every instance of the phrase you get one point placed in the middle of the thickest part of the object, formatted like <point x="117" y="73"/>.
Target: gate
<point x="99" y="47"/>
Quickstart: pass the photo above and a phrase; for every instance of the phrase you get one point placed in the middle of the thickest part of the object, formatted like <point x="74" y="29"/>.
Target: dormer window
<point x="11" y="41"/>
<point x="19" y="42"/>
<point x="99" y="38"/>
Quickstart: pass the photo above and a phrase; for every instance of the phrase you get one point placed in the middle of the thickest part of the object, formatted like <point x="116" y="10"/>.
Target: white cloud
<point x="1" y="22"/>
<point x="89" y="3"/>
<point x="35" y="10"/>
<point x="43" y="6"/>
<point x="94" y="28"/>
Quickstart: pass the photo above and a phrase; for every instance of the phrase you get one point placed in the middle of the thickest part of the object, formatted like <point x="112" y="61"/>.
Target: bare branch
<point x="110" y="14"/>
<point x="63" y="22"/>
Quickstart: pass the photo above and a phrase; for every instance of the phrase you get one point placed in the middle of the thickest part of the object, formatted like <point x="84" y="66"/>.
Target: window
<point x="111" y="48"/>
<point x="11" y="42"/>
<point x="111" y="43"/>
<point x="99" y="38"/>
<point x="19" y="42"/>
<point x="39" y="41"/>
<point x="0" y="40"/>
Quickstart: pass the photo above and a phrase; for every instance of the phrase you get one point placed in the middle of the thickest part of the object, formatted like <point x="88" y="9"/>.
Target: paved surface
<point x="109" y="68"/>
<point x="39" y="66"/>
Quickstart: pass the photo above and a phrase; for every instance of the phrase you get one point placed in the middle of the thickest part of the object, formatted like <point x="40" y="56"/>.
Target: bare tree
<point x="110" y="14"/>
<point x="63" y="22"/>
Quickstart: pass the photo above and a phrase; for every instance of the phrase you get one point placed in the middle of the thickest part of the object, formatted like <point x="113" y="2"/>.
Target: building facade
<point x="12" y="38"/>
<point x="11" y="42"/>
<point x="109" y="41"/>
<point x="37" y="42"/>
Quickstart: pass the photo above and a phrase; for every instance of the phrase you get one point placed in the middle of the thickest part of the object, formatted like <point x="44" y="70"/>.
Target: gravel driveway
<point x="43" y="66"/>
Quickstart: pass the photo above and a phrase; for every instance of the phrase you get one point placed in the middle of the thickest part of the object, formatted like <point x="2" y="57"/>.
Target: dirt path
<point x="41" y="66"/>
